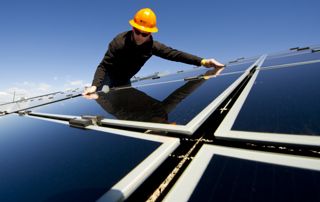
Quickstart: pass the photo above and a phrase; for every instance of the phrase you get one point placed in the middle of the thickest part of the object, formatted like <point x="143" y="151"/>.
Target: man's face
<point x="140" y="36"/>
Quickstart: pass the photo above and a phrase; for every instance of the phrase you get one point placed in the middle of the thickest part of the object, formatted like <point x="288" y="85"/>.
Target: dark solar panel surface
<point x="291" y="59"/>
<point x="46" y="161"/>
<point x="177" y="102"/>
<point x="284" y="100"/>
<point x="232" y="179"/>
<point x="75" y="106"/>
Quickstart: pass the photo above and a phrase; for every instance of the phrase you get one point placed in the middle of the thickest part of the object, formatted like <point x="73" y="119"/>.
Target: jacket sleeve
<point x="169" y="53"/>
<point x="101" y="71"/>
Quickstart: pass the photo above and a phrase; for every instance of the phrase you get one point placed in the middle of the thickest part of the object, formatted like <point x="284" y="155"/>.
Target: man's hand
<point x="92" y="96"/>
<point x="213" y="73"/>
<point x="89" y="92"/>
<point x="211" y="63"/>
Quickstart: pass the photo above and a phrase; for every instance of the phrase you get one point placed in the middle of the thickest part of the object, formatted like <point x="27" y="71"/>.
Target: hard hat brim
<point x="142" y="28"/>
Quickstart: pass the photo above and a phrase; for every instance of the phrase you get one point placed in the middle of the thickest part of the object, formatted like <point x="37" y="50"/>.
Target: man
<point x="129" y="50"/>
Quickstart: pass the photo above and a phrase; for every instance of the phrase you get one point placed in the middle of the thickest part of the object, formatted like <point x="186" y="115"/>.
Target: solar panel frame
<point x="192" y="175"/>
<point x="225" y="128"/>
<point x="143" y="170"/>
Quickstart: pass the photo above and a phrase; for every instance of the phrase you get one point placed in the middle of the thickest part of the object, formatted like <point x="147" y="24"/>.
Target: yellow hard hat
<point x="145" y="20"/>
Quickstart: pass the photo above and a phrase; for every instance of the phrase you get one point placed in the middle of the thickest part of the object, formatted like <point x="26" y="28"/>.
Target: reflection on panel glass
<point x="284" y="100"/>
<point x="176" y="102"/>
<point x="237" y="67"/>
<point x="233" y="179"/>
<point x="46" y="161"/>
<point x="291" y="59"/>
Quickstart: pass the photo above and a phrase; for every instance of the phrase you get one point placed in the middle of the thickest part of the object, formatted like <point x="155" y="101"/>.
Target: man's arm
<point x="169" y="53"/>
<point x="100" y="73"/>
<point x="107" y="60"/>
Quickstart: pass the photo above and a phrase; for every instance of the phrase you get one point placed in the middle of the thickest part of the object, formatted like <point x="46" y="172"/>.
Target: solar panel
<point x="291" y="59"/>
<point x="282" y="106"/>
<point x="45" y="158"/>
<point x="227" y="174"/>
<point x="177" y="106"/>
<point x="170" y="104"/>
<point x="49" y="161"/>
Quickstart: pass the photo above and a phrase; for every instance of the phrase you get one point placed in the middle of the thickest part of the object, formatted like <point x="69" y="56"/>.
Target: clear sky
<point x="53" y="45"/>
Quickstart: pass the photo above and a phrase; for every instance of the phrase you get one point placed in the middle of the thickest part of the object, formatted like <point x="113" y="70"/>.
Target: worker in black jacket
<point x="129" y="50"/>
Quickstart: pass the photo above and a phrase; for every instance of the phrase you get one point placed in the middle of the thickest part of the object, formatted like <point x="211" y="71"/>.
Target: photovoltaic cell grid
<point x="283" y="100"/>
<point x="266" y="110"/>
<point x="255" y="181"/>
<point x="47" y="161"/>
<point x="280" y="104"/>
<point x="225" y="174"/>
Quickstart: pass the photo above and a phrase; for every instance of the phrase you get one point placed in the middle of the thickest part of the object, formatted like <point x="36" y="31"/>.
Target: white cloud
<point x="26" y="89"/>
<point x="4" y="97"/>
<point x="44" y="87"/>
<point x="76" y="83"/>
<point x="3" y="93"/>
<point x="31" y="89"/>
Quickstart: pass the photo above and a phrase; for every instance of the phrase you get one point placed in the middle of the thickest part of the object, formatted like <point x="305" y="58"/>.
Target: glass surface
<point x="270" y="61"/>
<point x="233" y="179"/>
<point x="284" y="100"/>
<point x="176" y="102"/>
<point x="46" y="161"/>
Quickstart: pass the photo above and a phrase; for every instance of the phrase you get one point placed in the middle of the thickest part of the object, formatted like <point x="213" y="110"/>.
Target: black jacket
<point x="124" y="59"/>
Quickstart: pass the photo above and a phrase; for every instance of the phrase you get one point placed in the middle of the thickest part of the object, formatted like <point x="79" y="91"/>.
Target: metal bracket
<point x="24" y="112"/>
<point x="303" y="48"/>
<point x="85" y="121"/>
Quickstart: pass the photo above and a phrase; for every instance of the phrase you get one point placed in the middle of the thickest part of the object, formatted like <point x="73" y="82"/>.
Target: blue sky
<point x="53" y="45"/>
